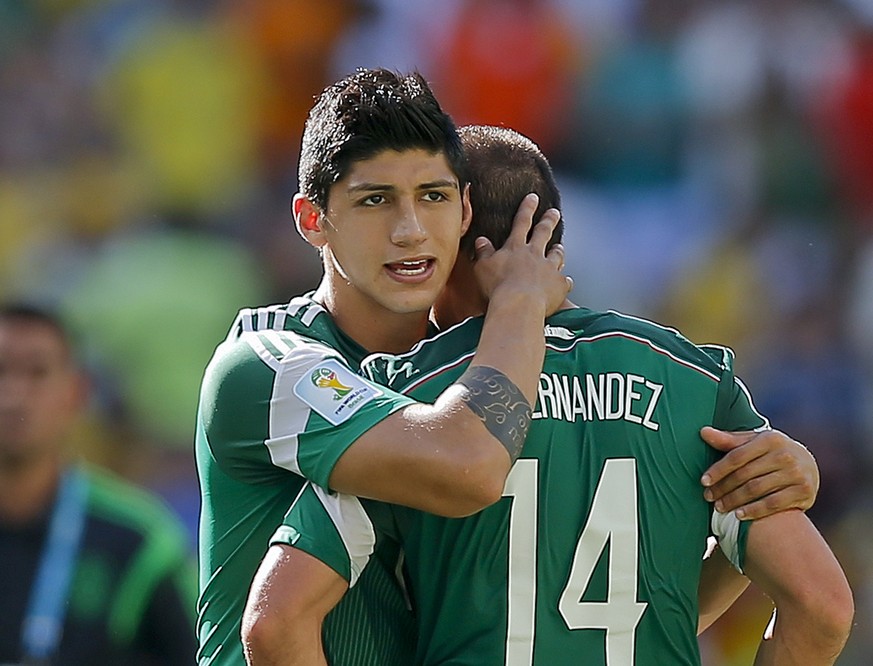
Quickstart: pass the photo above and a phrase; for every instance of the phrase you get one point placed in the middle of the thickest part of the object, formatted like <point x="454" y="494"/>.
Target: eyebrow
<point x="378" y="187"/>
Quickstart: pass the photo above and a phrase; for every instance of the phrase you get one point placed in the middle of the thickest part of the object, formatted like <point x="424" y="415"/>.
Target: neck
<point x="376" y="330"/>
<point x="27" y="487"/>
<point x="461" y="297"/>
<point x="449" y="311"/>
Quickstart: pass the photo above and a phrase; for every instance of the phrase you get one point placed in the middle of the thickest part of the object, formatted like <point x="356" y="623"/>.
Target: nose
<point x="408" y="229"/>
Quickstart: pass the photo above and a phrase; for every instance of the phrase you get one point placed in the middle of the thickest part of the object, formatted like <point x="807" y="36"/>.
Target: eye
<point x="373" y="200"/>
<point x="435" y="196"/>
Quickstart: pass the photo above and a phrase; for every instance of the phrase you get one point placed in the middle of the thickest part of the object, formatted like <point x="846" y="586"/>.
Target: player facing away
<point x="594" y="554"/>
<point x="383" y="197"/>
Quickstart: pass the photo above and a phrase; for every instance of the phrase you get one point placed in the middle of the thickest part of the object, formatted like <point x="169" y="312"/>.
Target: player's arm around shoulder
<point x="762" y="472"/>
<point x="451" y="458"/>
<point x="790" y="561"/>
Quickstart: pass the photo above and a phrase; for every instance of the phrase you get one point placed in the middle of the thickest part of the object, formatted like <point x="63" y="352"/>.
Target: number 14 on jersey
<point x="611" y="521"/>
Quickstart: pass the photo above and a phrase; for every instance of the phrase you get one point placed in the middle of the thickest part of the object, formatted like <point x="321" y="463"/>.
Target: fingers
<point x="771" y="473"/>
<point x="724" y="440"/>
<point x="483" y="248"/>
<point x="544" y="229"/>
<point x="522" y="264"/>
<point x="556" y="256"/>
<point x="523" y="219"/>
<point x="521" y="228"/>
<point x="749" y="462"/>
<point x="781" y="500"/>
<point x="753" y="490"/>
<point x="756" y="479"/>
<point x="767" y="474"/>
<point x="747" y="448"/>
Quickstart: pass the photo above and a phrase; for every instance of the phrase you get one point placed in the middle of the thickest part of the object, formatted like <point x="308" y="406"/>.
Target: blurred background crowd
<point x="715" y="157"/>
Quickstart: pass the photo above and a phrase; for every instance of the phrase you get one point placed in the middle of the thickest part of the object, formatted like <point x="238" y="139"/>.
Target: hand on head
<point x="523" y="267"/>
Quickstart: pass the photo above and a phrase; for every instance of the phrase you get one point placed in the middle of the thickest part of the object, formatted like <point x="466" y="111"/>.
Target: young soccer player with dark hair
<point x="595" y="552"/>
<point x="383" y="197"/>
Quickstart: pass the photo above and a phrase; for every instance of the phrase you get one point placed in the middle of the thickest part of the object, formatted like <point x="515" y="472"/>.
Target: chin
<point x="411" y="305"/>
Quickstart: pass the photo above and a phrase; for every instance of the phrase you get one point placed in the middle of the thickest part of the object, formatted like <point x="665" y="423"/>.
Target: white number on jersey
<point x="612" y="521"/>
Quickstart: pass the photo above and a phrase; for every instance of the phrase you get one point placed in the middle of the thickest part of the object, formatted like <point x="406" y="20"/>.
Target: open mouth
<point x="411" y="268"/>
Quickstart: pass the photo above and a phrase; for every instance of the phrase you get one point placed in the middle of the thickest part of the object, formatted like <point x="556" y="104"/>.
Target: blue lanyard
<point x="44" y="619"/>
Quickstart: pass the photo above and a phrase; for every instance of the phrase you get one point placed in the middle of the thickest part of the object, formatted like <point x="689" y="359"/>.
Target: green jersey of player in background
<point x="279" y="403"/>
<point x="594" y="554"/>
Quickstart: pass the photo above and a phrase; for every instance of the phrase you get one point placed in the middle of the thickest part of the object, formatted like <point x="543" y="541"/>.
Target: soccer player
<point x="596" y="549"/>
<point x="94" y="570"/>
<point x="383" y="197"/>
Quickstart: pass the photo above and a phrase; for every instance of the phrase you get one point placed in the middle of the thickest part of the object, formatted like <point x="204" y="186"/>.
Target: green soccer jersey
<point x="279" y="403"/>
<point x="594" y="554"/>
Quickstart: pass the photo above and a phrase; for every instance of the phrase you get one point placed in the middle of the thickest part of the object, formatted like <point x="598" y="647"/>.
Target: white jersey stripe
<point x="748" y="395"/>
<point x="263" y="318"/>
<point x="310" y="315"/>
<point x="279" y="321"/>
<point x="726" y="528"/>
<point x="295" y="304"/>
<point x="354" y="527"/>
<point x="279" y="341"/>
<point x="257" y="345"/>
<point x="288" y="414"/>
<point x="602" y="336"/>
<point x="245" y="317"/>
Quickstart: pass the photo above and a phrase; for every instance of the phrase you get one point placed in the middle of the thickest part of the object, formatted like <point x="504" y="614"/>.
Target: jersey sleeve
<point x="732" y="535"/>
<point x="335" y="528"/>
<point x="734" y="408"/>
<point x="272" y="403"/>
<point x="734" y="411"/>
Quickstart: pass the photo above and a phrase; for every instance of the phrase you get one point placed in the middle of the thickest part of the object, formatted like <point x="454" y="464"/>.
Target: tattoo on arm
<point x="495" y="399"/>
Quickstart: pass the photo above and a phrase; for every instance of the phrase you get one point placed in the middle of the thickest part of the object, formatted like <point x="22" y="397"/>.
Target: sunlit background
<point x="716" y="159"/>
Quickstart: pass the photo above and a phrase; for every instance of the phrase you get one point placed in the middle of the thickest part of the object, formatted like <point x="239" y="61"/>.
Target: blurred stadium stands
<point x="716" y="159"/>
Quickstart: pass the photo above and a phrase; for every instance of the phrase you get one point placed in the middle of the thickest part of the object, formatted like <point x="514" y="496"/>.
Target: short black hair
<point x="31" y="313"/>
<point x="503" y="167"/>
<point x="365" y="113"/>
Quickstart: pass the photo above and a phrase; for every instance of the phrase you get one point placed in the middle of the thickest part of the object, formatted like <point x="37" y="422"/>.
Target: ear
<point x="307" y="219"/>
<point x="467" y="209"/>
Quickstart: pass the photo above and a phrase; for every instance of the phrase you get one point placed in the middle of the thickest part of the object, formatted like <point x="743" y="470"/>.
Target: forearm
<point x="452" y="458"/>
<point x="720" y="586"/>
<point x="440" y="459"/>
<point x="289" y="597"/>
<point x="789" y="560"/>
<point x="512" y="340"/>
<point x="796" y="642"/>
<point x="299" y="646"/>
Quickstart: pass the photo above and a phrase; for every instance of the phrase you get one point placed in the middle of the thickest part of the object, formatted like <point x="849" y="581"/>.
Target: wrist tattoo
<point x="495" y="399"/>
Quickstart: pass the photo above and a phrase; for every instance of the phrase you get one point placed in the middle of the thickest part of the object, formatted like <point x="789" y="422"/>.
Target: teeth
<point x="411" y="267"/>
